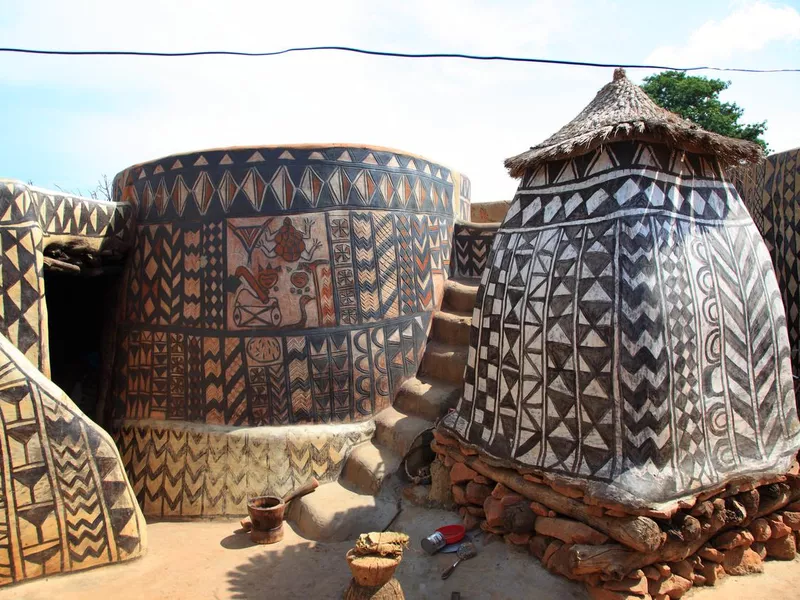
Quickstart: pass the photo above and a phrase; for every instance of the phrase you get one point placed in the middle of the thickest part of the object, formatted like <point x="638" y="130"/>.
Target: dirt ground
<point x="206" y="559"/>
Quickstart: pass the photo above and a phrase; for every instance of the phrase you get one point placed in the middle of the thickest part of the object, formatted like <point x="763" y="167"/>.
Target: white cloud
<point x="161" y="106"/>
<point x="99" y="115"/>
<point x="747" y="29"/>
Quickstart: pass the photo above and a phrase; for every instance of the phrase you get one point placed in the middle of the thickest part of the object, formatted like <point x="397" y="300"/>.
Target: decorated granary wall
<point x="269" y="286"/>
<point x="472" y="240"/>
<point x="629" y="336"/>
<point x="771" y="192"/>
<point x="65" y="502"/>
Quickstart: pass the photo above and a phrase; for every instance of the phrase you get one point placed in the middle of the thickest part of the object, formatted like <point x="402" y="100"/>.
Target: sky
<point x="66" y="121"/>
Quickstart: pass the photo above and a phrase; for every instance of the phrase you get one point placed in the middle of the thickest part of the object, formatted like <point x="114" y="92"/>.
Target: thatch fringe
<point x="621" y="110"/>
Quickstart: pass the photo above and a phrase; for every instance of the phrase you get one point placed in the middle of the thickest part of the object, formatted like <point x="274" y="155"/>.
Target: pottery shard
<point x="702" y="509"/>
<point x="742" y="561"/>
<point x="733" y="538"/>
<point x="519" y="539"/>
<point x="783" y="548"/>
<point x="551" y="549"/>
<point x="760" y="529"/>
<point x="632" y="585"/>
<point x="483" y="480"/>
<point x="443" y="439"/>
<point x="760" y="549"/>
<point x="683" y="568"/>
<point x="501" y="491"/>
<point x="511" y="499"/>
<point x="559" y="562"/>
<point x="537" y="545"/>
<point x="713" y="572"/>
<point x="476" y="511"/>
<point x="540" y="510"/>
<point x="493" y="508"/>
<point x="478" y="492"/>
<point x="778" y="528"/>
<point x="652" y="573"/>
<point x="471" y="521"/>
<point x="568" y="491"/>
<point x="459" y="494"/>
<point x="461" y="473"/>
<point x="569" y="531"/>
<point x="792" y="519"/>
<point x="710" y="554"/>
<point x="673" y="586"/>
<point x="601" y="593"/>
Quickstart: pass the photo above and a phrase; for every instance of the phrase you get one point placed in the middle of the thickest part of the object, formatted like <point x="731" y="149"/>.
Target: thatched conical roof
<point x="621" y="110"/>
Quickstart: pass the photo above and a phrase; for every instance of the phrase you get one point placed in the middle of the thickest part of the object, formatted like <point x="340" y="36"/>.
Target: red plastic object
<point x="452" y="533"/>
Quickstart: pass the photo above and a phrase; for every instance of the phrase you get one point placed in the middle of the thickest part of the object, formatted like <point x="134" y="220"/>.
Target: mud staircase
<point x="366" y="496"/>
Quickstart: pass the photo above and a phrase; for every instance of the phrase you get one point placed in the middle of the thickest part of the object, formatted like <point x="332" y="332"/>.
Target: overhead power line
<point x="519" y="59"/>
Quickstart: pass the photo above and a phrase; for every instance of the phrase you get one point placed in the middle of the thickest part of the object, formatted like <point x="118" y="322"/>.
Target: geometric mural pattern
<point x="65" y="504"/>
<point x="771" y="192"/>
<point x="29" y="217"/>
<point x="275" y="180"/>
<point x="261" y="379"/>
<point x="471" y="246"/>
<point x="180" y="470"/>
<point x="628" y="332"/>
<point x="291" y="285"/>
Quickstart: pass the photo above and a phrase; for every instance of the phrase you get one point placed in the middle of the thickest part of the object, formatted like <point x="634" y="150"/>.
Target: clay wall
<point x="771" y="192"/>
<point x="275" y="286"/>
<point x="65" y="502"/>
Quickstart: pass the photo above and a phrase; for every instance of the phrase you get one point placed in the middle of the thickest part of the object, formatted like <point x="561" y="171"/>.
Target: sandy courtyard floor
<point x="206" y="559"/>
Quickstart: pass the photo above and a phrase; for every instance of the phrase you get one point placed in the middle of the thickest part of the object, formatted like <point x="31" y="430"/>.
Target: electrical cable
<point x="548" y="61"/>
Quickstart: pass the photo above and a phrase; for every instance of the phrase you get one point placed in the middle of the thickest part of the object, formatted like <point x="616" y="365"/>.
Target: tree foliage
<point x="697" y="99"/>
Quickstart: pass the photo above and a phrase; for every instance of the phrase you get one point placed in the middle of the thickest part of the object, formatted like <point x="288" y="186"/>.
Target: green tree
<point x="697" y="99"/>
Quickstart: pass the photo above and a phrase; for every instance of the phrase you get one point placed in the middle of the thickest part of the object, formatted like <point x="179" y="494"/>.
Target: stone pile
<point x="618" y="553"/>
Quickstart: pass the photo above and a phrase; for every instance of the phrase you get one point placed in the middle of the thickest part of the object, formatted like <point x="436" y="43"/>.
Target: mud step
<point x="460" y="294"/>
<point x="334" y="513"/>
<point x="451" y="327"/>
<point x="367" y="466"/>
<point x="445" y="362"/>
<point x="427" y="397"/>
<point x="398" y="431"/>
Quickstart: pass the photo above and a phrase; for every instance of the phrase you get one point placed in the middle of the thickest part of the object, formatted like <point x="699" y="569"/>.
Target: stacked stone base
<point x="617" y="554"/>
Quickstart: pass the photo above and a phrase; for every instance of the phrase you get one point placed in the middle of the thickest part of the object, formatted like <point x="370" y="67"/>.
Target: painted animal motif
<point x="255" y="307"/>
<point x="288" y="242"/>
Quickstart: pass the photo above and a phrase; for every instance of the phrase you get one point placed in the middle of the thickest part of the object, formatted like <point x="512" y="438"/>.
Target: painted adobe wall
<point x="30" y="220"/>
<point x="268" y="286"/>
<point x="65" y="502"/>
<point x="771" y="192"/>
<point x="275" y="286"/>
<point x="472" y="240"/>
<point x="471" y="245"/>
<point x="628" y="336"/>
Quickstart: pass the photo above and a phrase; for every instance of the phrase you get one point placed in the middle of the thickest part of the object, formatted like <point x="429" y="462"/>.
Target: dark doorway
<point x="79" y="308"/>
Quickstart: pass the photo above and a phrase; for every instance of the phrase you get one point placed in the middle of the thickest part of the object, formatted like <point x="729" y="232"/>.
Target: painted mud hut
<point x="628" y="380"/>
